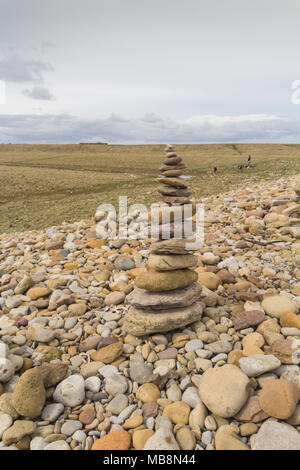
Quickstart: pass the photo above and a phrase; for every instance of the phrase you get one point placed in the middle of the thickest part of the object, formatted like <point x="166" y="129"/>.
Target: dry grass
<point x="44" y="185"/>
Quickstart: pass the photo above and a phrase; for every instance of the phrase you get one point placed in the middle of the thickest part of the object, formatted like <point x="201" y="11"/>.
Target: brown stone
<point x="283" y="349"/>
<point x="248" y="318"/>
<point x="115" y="440"/>
<point x="150" y="409"/>
<point x="290" y="319"/>
<point x="279" y="398"/>
<point x="251" y="411"/>
<point x="29" y="395"/>
<point x="108" y="353"/>
<point x="164" y="281"/>
<point x="172" y="191"/>
<point x="87" y="416"/>
<point x="52" y="374"/>
<point x="176" y="182"/>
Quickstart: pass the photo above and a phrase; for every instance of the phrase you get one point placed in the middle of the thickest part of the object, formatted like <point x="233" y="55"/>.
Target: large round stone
<point x="276" y="305"/>
<point x="224" y="390"/>
<point x="29" y="395"/>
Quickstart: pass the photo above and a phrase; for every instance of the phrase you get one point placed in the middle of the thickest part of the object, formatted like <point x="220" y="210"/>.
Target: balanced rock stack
<point x="166" y="294"/>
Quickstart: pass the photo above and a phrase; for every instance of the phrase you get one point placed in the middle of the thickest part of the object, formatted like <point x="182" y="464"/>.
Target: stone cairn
<point x="166" y="295"/>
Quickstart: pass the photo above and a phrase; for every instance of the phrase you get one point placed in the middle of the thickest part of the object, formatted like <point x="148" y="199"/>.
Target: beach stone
<point x="71" y="391"/>
<point x="71" y="426"/>
<point x="52" y="374"/>
<point x="197" y="416"/>
<point x="36" y="292"/>
<point x="5" y="423"/>
<point x="117" y="404"/>
<point x="57" y="445"/>
<point x="276" y="305"/>
<point x="40" y="333"/>
<point x="37" y="443"/>
<point x="92" y="384"/>
<point x="171" y="262"/>
<point x="108" y="370"/>
<point x="6" y="405"/>
<point x="148" y="393"/>
<point x="248" y="318"/>
<point x="224" y="390"/>
<point x="251" y="411"/>
<point x="46" y="353"/>
<point x="7" y="369"/>
<point x="247" y="429"/>
<point x="87" y="416"/>
<point x="252" y="344"/>
<point x="193" y="345"/>
<point x="186" y="439"/>
<point x="29" y="395"/>
<point x="291" y="376"/>
<point x="17" y="431"/>
<point x="163" y="439"/>
<point x="176" y="246"/>
<point x="290" y="319"/>
<point x="133" y="422"/>
<point x="279" y="398"/>
<point x="174" y="393"/>
<point x="155" y="281"/>
<point x="226" y="438"/>
<point x="115" y="298"/>
<point x="276" y="436"/>
<point x="109" y="353"/>
<point x="139" y="370"/>
<point x="258" y="364"/>
<point x="140" y="438"/>
<point x="141" y="298"/>
<point x="52" y="412"/>
<point x="90" y="369"/>
<point x="150" y="409"/>
<point x="79" y="436"/>
<point x="115" y="440"/>
<point x="24" y="285"/>
<point x="177" y="412"/>
<point x="191" y="397"/>
<point x="141" y="322"/>
<point x="91" y="342"/>
<point x="209" y="280"/>
<point x="286" y="350"/>
<point x="115" y="384"/>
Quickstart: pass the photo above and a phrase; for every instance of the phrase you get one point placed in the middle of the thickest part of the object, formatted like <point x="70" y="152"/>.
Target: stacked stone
<point x="166" y="295"/>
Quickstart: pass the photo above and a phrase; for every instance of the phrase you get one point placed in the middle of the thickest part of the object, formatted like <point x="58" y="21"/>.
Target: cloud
<point x="151" y="128"/>
<point x="38" y="93"/>
<point x="19" y="70"/>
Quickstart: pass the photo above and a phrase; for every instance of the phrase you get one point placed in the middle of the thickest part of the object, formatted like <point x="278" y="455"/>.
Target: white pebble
<point x="93" y="384"/>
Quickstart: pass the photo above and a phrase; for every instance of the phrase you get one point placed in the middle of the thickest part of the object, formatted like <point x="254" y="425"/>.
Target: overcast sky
<point x="147" y="71"/>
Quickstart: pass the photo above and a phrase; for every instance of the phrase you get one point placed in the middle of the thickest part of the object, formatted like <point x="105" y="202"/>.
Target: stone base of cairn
<point x="166" y="295"/>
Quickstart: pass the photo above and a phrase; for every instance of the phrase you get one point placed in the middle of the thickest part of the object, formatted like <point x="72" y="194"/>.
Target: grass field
<point x="45" y="185"/>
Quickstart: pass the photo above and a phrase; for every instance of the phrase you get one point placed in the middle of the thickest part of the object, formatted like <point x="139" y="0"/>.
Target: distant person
<point x="249" y="159"/>
<point x="215" y="170"/>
